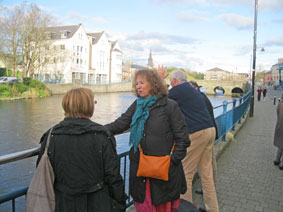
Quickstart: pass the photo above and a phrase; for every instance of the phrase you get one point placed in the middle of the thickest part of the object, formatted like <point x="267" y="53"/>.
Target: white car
<point x="8" y="79"/>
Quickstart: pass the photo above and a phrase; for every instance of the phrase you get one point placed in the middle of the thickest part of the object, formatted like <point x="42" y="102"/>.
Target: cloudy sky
<point x="194" y="34"/>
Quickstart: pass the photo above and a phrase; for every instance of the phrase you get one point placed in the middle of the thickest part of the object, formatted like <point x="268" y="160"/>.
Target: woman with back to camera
<point x="156" y="123"/>
<point x="84" y="159"/>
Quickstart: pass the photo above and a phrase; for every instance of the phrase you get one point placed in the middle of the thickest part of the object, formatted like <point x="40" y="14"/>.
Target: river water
<point x="23" y="122"/>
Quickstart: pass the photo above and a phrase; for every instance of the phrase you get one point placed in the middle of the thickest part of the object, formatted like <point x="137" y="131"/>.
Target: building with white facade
<point x="105" y="57"/>
<point x="277" y="72"/>
<point x="79" y="57"/>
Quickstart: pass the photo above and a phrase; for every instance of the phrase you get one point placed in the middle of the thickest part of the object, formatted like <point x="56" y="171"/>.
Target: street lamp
<point x="254" y="61"/>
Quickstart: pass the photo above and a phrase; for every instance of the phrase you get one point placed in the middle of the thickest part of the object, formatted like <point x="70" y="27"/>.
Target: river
<point x="22" y="123"/>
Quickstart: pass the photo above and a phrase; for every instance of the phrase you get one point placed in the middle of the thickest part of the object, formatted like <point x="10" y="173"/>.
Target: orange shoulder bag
<point x="154" y="166"/>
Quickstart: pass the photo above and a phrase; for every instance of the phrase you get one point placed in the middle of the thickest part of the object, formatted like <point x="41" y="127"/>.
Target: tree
<point x="10" y="36"/>
<point x="23" y="34"/>
<point x="34" y="38"/>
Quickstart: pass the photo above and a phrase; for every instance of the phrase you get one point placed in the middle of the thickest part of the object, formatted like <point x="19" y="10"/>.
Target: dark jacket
<point x="86" y="167"/>
<point x="278" y="134"/>
<point x="211" y="113"/>
<point x="192" y="106"/>
<point x="164" y="126"/>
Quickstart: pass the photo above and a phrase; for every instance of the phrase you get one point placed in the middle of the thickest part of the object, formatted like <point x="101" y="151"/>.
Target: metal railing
<point x="229" y="118"/>
<point x="225" y="122"/>
<point x="13" y="195"/>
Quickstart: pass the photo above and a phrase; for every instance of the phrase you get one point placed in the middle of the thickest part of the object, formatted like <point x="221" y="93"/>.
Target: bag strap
<point x="170" y="152"/>
<point x="48" y="139"/>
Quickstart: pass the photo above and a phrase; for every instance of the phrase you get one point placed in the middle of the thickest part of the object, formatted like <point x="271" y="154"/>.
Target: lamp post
<point x="254" y="61"/>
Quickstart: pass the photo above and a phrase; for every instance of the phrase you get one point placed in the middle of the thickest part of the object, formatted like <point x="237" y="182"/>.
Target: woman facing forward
<point x="84" y="159"/>
<point x="156" y="123"/>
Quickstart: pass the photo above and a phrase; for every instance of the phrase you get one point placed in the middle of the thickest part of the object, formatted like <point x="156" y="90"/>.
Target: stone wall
<point x="114" y="87"/>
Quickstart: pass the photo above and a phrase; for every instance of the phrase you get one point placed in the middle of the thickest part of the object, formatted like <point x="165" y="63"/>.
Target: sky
<point x="193" y="34"/>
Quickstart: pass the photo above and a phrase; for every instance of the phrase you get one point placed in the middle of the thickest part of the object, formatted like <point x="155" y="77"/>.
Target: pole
<point x="254" y="61"/>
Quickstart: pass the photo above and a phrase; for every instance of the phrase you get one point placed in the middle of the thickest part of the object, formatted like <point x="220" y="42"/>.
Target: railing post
<point x="224" y="124"/>
<point x="233" y="109"/>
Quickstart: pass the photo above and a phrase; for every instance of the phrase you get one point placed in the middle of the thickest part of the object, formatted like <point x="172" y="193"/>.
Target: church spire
<point x="150" y="61"/>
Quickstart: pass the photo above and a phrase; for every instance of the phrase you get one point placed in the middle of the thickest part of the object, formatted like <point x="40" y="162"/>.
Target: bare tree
<point x="10" y="34"/>
<point x="35" y="39"/>
<point x="23" y="34"/>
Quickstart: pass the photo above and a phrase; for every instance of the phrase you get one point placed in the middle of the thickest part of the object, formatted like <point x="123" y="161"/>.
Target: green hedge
<point x="5" y="90"/>
<point x="18" y="88"/>
<point x="37" y="84"/>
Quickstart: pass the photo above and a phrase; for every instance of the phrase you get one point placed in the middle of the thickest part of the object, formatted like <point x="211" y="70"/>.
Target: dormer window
<point x="65" y="34"/>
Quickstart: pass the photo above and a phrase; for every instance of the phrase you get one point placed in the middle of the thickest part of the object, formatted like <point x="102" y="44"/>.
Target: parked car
<point x="8" y="79"/>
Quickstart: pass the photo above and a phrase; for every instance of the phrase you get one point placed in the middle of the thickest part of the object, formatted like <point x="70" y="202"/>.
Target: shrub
<point x="26" y="80"/>
<point x="2" y="72"/>
<point x="21" y="87"/>
<point x="5" y="90"/>
<point x="37" y="84"/>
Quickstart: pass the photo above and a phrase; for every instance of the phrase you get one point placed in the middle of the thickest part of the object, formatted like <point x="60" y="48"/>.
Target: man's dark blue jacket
<point x="192" y="106"/>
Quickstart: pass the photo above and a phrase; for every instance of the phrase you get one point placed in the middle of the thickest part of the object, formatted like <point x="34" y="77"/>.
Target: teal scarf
<point x="138" y="120"/>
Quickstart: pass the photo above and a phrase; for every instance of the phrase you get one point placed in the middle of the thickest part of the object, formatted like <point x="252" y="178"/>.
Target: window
<point x="77" y="60"/>
<point x="81" y="48"/>
<point x="78" y="48"/>
<point x="62" y="47"/>
<point x="46" y="47"/>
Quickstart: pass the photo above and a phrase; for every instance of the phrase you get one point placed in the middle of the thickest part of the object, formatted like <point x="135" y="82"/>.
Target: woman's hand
<point x="162" y="71"/>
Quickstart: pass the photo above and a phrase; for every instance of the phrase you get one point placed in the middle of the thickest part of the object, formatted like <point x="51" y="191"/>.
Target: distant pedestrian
<point x="264" y="93"/>
<point x="259" y="91"/>
<point x="278" y="135"/>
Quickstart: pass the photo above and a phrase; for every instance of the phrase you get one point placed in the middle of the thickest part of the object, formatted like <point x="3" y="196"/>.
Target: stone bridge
<point x="229" y="87"/>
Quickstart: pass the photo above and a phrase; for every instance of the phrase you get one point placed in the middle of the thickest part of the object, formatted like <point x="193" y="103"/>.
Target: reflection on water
<point x="23" y="122"/>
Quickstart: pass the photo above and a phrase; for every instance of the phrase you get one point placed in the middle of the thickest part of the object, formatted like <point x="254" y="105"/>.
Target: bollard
<point x="274" y="100"/>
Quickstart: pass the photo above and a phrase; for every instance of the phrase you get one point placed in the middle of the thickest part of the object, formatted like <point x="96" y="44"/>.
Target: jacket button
<point x="144" y="181"/>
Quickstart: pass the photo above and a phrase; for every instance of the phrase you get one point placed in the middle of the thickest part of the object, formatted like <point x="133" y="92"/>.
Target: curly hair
<point x="158" y="84"/>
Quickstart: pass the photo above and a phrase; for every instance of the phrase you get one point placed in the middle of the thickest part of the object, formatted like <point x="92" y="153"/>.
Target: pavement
<point x="247" y="179"/>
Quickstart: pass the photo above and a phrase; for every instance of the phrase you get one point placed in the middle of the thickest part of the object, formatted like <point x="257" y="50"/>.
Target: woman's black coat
<point x="86" y="167"/>
<point x="164" y="126"/>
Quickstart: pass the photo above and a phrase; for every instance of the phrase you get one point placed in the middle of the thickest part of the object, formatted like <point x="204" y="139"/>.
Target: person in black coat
<point x="84" y="159"/>
<point x="211" y="113"/>
<point x="156" y="123"/>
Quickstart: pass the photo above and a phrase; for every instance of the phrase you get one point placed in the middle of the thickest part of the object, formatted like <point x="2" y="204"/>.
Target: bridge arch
<point x="219" y="88"/>
<point x="237" y="90"/>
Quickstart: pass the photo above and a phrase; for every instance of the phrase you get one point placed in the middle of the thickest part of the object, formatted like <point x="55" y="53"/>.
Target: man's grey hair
<point x="179" y="75"/>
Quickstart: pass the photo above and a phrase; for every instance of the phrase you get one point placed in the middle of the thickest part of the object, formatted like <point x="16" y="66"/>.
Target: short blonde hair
<point x="78" y="103"/>
<point x="158" y="84"/>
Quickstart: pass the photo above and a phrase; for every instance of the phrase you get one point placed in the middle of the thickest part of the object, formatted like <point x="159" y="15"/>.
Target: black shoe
<point x="276" y="162"/>
<point x="199" y="191"/>
<point x="281" y="166"/>
<point x="202" y="209"/>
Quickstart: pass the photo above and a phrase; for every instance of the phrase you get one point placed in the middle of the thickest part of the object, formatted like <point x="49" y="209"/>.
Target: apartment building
<point x="76" y="56"/>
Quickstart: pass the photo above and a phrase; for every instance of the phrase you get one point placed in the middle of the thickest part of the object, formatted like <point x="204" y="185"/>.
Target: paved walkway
<point x="247" y="179"/>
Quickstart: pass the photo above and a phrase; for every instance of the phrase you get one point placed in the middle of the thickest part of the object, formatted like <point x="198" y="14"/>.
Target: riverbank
<point x="23" y="90"/>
